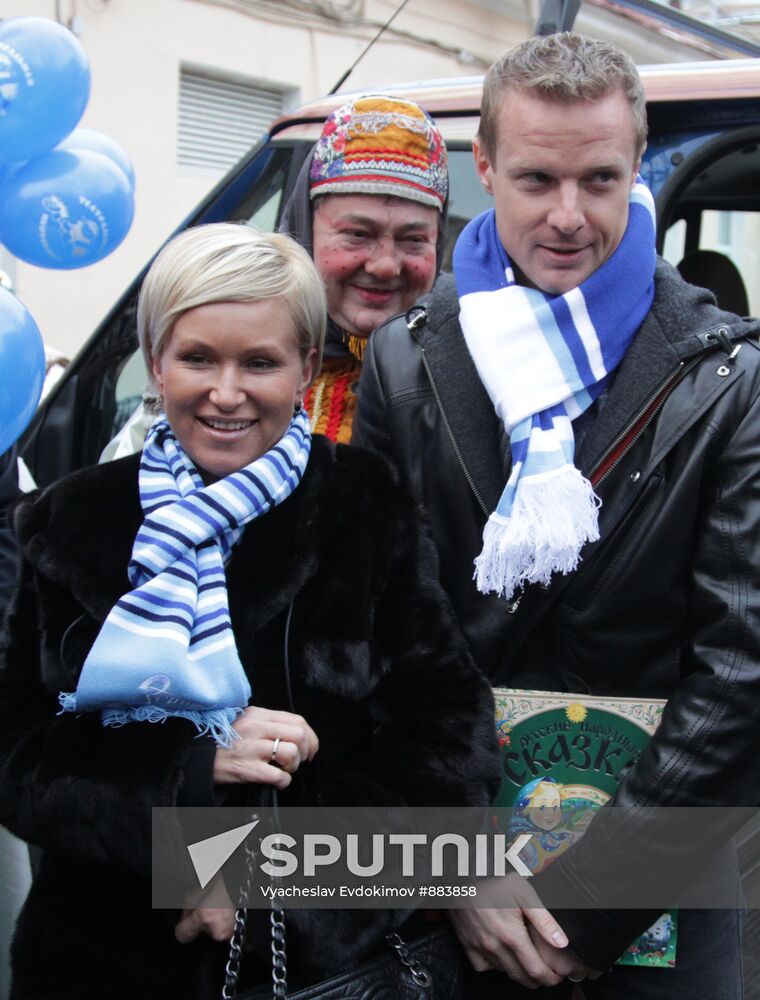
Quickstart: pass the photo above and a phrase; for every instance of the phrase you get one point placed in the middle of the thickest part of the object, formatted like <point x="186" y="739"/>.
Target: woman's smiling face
<point x="231" y="374"/>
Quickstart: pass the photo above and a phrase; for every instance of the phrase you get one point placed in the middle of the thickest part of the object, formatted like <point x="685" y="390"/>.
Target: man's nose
<point x="566" y="213"/>
<point x="226" y="392"/>
<point x="385" y="259"/>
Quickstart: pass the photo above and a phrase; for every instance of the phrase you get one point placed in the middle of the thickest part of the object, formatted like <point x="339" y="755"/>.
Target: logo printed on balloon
<point x="65" y="209"/>
<point x="8" y="89"/>
<point x="44" y="85"/>
<point x="61" y="236"/>
<point x="14" y="56"/>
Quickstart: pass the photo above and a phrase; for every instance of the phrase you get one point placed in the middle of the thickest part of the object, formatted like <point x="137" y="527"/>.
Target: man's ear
<point x="636" y="169"/>
<point x="482" y="165"/>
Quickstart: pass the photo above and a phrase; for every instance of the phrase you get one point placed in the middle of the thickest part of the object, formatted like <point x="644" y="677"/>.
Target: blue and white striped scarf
<point x="543" y="360"/>
<point x="167" y="648"/>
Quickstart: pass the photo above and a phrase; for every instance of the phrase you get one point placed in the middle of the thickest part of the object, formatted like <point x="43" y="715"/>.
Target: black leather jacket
<point x="667" y="603"/>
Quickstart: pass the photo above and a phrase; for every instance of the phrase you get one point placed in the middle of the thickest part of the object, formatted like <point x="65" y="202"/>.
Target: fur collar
<point x="79" y="532"/>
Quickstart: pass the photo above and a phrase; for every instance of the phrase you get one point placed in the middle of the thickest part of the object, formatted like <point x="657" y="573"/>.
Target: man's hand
<point x="560" y="960"/>
<point x="520" y="938"/>
<point x="505" y="938"/>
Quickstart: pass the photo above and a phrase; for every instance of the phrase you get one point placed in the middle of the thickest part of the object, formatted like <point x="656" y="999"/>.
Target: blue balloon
<point x="87" y="138"/>
<point x="22" y="368"/>
<point x="7" y="171"/>
<point x="65" y="209"/>
<point x="44" y="86"/>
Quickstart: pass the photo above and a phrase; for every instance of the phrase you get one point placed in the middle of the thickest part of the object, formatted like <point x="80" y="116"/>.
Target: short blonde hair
<point x="229" y="262"/>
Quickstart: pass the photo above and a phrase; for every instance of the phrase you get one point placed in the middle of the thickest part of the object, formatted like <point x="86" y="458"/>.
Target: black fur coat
<point x="379" y="668"/>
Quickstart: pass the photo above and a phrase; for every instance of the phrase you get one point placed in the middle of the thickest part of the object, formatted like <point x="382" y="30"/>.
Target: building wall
<point x="136" y="47"/>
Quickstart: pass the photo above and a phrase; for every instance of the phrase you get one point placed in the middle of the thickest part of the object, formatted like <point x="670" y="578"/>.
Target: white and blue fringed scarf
<point x="543" y="360"/>
<point x="167" y="648"/>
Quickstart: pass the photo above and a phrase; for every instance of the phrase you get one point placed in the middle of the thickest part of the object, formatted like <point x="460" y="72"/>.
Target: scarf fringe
<point x="67" y="701"/>
<point x="550" y="521"/>
<point x="357" y="345"/>
<point x="217" y="722"/>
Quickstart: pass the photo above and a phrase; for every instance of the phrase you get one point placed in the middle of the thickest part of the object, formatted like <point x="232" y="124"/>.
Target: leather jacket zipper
<point x="449" y="431"/>
<point x="636" y="427"/>
<point x="513" y="604"/>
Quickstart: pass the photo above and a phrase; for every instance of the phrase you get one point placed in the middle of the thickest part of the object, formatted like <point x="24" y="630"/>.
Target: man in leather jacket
<point x="664" y="603"/>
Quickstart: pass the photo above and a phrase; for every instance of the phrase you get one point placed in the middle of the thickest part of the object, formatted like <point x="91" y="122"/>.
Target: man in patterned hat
<point x="369" y="205"/>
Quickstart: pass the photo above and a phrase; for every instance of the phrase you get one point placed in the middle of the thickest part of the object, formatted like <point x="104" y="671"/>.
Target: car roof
<point x="455" y="103"/>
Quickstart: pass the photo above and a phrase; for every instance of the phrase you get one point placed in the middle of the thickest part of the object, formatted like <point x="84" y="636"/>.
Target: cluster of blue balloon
<point x="66" y="193"/>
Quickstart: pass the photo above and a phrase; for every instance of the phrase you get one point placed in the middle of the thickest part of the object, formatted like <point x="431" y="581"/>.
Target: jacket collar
<point x="465" y="402"/>
<point x="672" y="332"/>
<point x="79" y="534"/>
<point x="648" y="363"/>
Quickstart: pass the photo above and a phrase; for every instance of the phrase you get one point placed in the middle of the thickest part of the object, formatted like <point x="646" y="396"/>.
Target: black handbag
<point x="429" y="967"/>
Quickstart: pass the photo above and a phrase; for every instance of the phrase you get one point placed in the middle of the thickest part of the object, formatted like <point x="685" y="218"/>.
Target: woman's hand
<point x="270" y="749"/>
<point x="213" y="914"/>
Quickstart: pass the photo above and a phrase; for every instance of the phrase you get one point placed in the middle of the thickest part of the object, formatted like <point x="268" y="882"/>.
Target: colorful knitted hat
<point x="381" y="145"/>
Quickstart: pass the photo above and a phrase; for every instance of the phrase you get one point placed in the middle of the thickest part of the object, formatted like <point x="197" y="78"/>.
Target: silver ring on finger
<point x="275" y="748"/>
<point x="578" y="980"/>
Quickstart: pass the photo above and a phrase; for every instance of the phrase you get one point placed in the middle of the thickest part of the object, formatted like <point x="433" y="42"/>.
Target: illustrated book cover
<point x="562" y="757"/>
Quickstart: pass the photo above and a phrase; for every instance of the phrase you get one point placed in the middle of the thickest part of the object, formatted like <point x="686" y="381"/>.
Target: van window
<point x="709" y="219"/>
<point x="263" y="202"/>
<point x="467" y="197"/>
<point x="735" y="235"/>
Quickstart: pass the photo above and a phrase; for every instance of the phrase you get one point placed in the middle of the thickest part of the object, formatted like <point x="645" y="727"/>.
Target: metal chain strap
<point x="277" y="915"/>
<point x="232" y="969"/>
<point x="279" y="956"/>
<point x="237" y="941"/>
<point x="420" y="974"/>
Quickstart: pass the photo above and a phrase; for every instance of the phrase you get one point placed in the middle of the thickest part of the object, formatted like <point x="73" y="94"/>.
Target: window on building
<point x="220" y="119"/>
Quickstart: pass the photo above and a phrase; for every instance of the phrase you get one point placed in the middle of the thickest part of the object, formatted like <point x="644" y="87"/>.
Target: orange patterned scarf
<point x="331" y="400"/>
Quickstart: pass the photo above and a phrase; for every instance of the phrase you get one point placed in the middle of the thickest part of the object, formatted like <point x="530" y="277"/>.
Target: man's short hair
<point x="229" y="262"/>
<point x="563" y="67"/>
